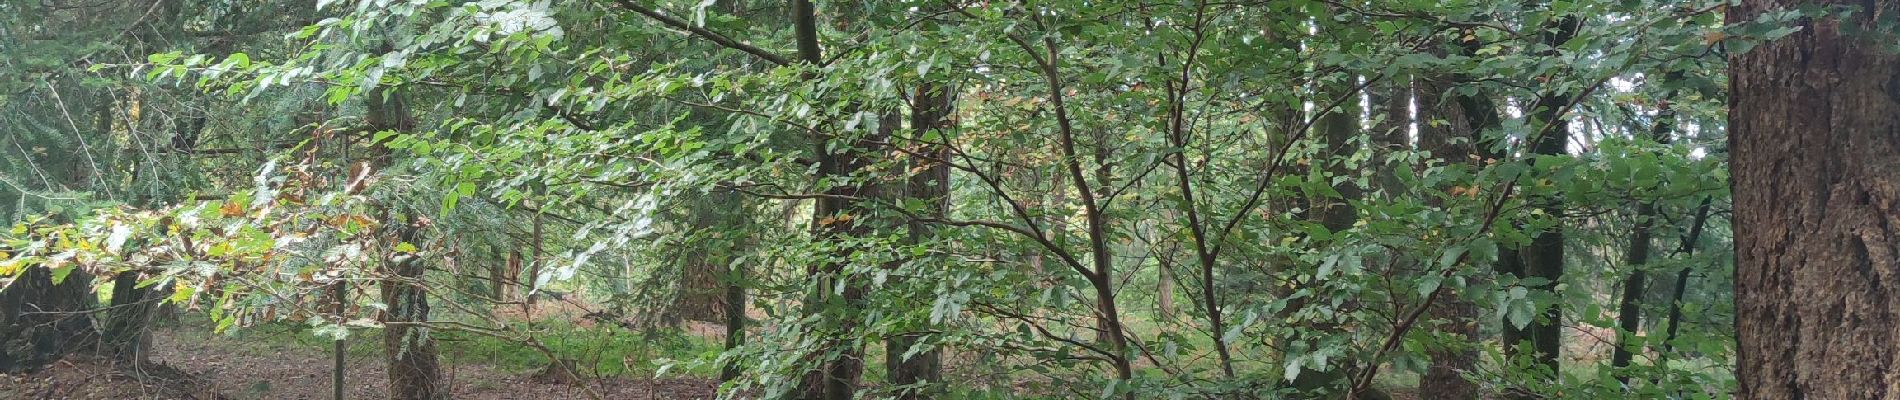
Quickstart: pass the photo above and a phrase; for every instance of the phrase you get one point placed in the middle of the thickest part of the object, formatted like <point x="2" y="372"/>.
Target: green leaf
<point x="1429" y="284"/>
<point x="1520" y="313"/>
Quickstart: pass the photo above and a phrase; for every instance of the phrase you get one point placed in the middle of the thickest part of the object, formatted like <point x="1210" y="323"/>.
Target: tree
<point x="414" y="371"/>
<point x="1448" y="129"/>
<point x="43" y="319"/>
<point x="1816" y="175"/>
<point x="1544" y="258"/>
<point x="1010" y="182"/>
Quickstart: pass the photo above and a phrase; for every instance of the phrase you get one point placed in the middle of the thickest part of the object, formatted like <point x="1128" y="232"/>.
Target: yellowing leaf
<point x="231" y="209"/>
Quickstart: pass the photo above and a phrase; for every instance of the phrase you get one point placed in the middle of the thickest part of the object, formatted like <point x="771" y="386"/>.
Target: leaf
<point x="60" y="272"/>
<point x="115" y="242"/>
<point x="1429" y="284"/>
<point x="231" y="209"/>
<point x="1519" y="313"/>
<point x="240" y="60"/>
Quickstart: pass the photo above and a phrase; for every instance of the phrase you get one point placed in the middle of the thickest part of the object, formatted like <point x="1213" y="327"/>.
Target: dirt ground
<point x="198" y="367"/>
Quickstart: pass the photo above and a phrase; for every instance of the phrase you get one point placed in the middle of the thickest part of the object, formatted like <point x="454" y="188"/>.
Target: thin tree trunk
<point x="339" y="348"/>
<point x="837" y="379"/>
<point x="1544" y="258"/>
<point x="1630" y="312"/>
<point x="735" y="319"/>
<point x="414" y="372"/>
<point x="533" y="284"/>
<point x="1164" y="293"/>
<point x="1816" y="178"/>
<point x="500" y="275"/>
<point x="1687" y="249"/>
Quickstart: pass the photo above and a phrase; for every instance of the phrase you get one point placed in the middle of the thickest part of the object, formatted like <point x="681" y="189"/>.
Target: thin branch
<point x="702" y="32"/>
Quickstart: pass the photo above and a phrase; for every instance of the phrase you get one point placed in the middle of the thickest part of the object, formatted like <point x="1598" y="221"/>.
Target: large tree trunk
<point x="41" y="321"/>
<point x="1816" y="177"/>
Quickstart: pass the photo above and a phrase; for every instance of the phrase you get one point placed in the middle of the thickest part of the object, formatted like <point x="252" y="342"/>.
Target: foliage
<point x="1148" y="199"/>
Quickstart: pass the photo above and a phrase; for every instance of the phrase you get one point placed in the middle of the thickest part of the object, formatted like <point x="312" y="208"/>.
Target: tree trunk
<point x="125" y="337"/>
<point x="414" y="373"/>
<point x="735" y="320"/>
<point x="702" y="291"/>
<point x="533" y="284"/>
<point x="1164" y="293"/>
<point x="1816" y="178"/>
<point x="41" y="321"/>
<point x="413" y="370"/>
<point x="932" y="185"/>
<point x="506" y="275"/>
<point x="1630" y="313"/>
<point x="1682" y="281"/>
<point x="1544" y="258"/>
<point x="1444" y="378"/>
<point x="835" y="219"/>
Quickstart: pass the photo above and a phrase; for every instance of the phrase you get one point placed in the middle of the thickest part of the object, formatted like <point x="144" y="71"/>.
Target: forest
<point x="949" y="199"/>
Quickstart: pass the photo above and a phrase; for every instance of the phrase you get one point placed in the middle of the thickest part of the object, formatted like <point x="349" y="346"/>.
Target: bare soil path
<point x="275" y="369"/>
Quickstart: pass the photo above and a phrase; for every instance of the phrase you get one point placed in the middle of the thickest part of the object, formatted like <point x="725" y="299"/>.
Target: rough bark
<point x="931" y="184"/>
<point x="414" y="372"/>
<point x="1544" y="258"/>
<point x="702" y="291"/>
<point x="1816" y="180"/>
<point x="1446" y="130"/>
<point x="42" y="321"/>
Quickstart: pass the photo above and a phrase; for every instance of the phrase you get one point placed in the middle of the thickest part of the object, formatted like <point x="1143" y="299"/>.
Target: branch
<point x="702" y="32"/>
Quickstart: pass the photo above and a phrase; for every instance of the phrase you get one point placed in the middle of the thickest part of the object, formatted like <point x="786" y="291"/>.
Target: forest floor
<point x="193" y="365"/>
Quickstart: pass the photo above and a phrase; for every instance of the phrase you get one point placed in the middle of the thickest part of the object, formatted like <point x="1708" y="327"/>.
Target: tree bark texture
<point x="41" y="321"/>
<point x="931" y="184"/>
<point x="414" y="372"/>
<point x="1544" y="258"/>
<point x="1448" y="133"/>
<point x="1815" y="148"/>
